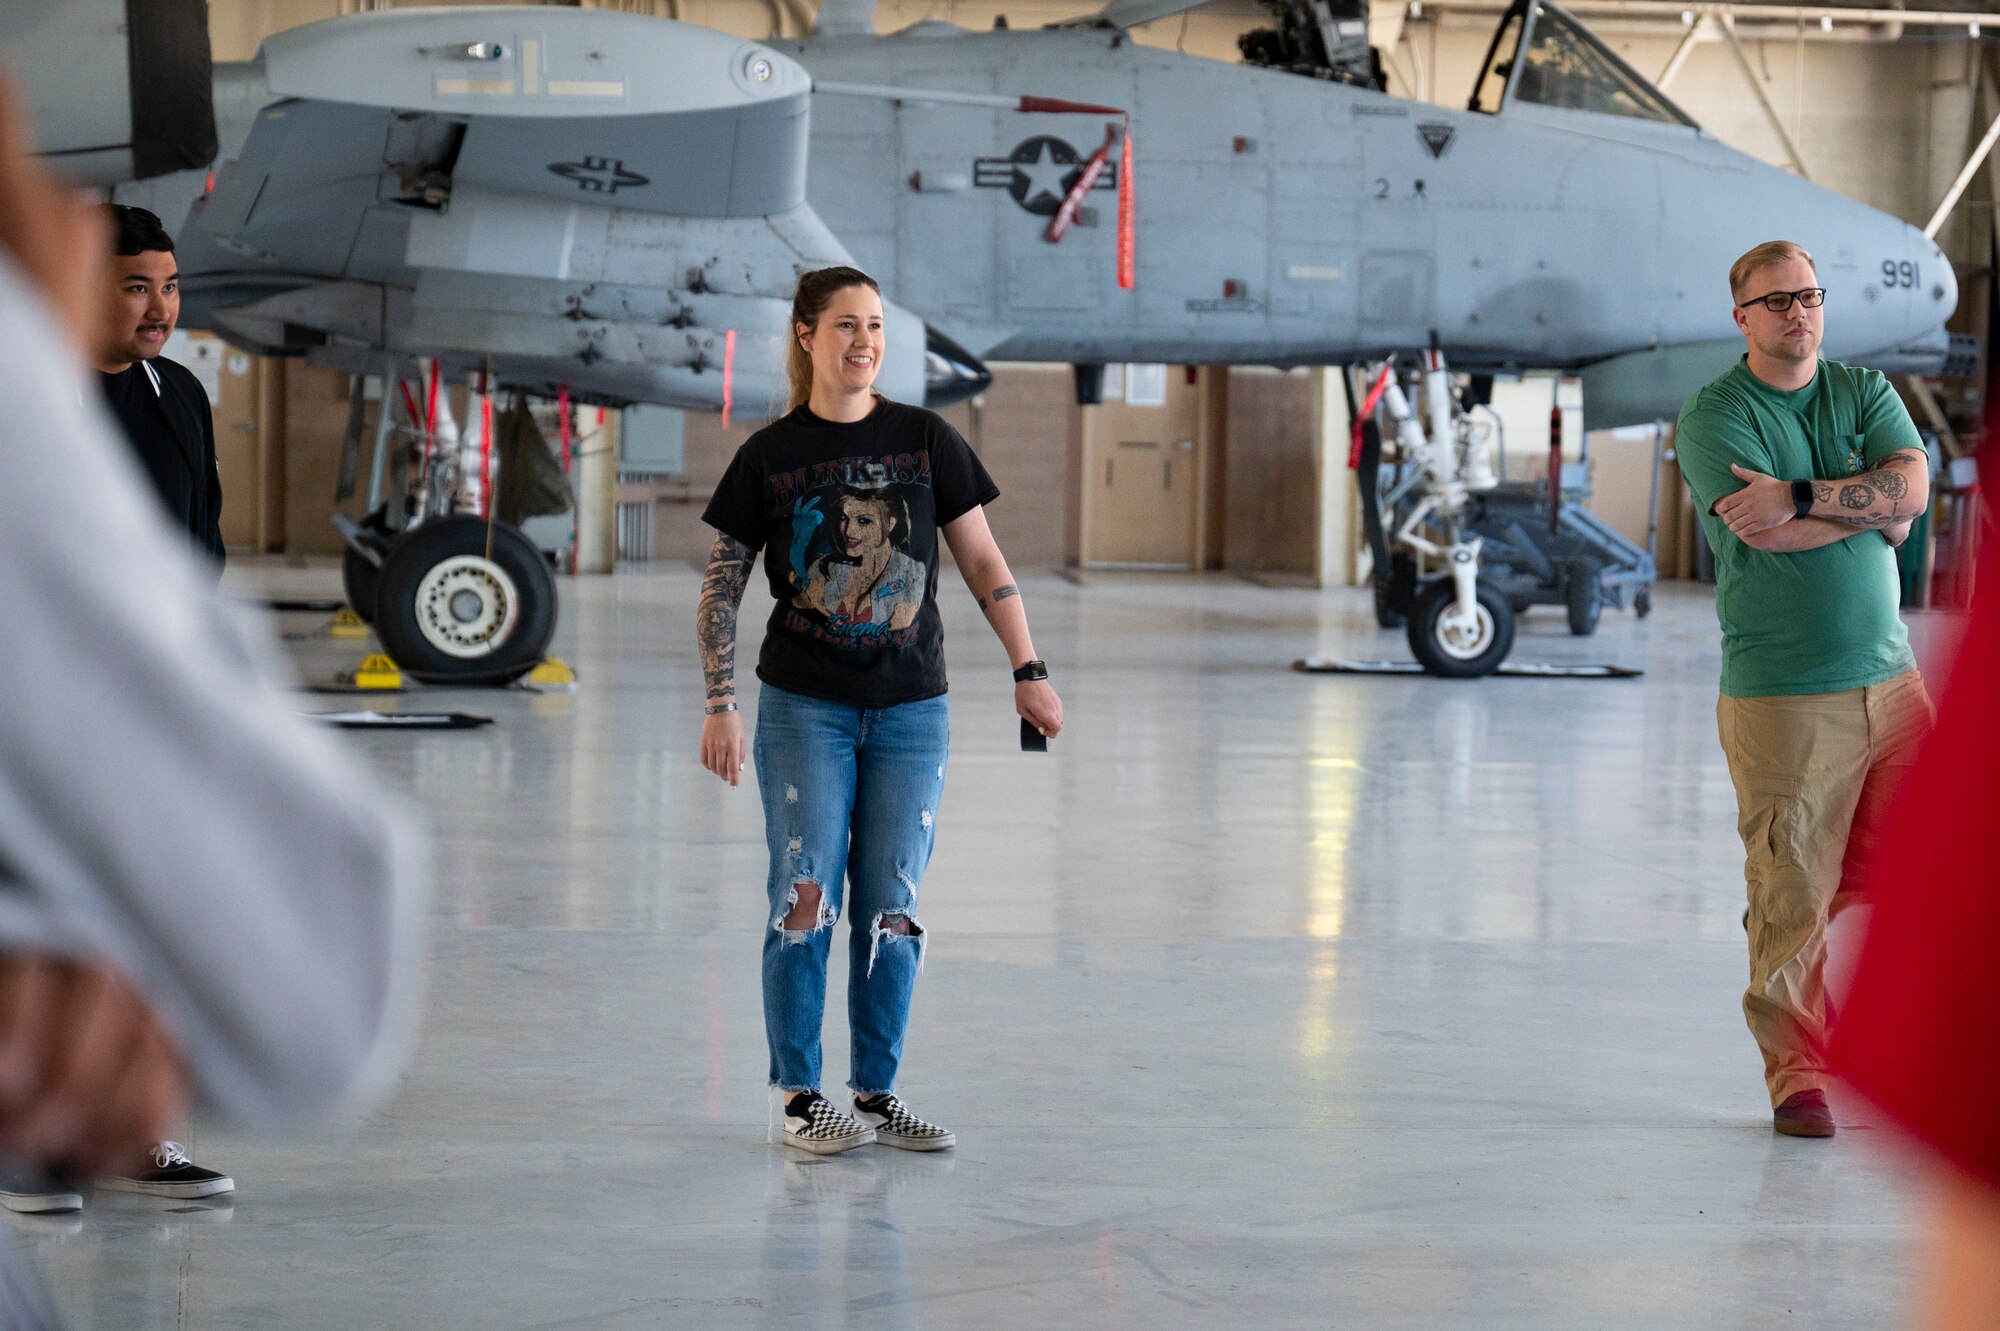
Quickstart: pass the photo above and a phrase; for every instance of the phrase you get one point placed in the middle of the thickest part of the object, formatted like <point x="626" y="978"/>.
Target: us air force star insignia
<point x="1436" y="136"/>
<point x="599" y="175"/>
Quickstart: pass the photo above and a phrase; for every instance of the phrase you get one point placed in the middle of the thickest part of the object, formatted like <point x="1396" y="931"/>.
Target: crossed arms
<point x="1885" y="498"/>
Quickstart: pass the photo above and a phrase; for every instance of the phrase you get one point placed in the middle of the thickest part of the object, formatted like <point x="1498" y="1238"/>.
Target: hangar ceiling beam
<point x="1763" y="98"/>
<point x="1771" y="14"/>
<point x="1964" y="178"/>
<point x="1681" y="52"/>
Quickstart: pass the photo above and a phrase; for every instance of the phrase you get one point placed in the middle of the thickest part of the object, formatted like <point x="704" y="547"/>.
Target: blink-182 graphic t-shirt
<point x="847" y="518"/>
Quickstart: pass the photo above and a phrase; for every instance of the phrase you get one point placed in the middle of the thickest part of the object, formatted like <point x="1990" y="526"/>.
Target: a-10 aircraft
<point x="616" y="207"/>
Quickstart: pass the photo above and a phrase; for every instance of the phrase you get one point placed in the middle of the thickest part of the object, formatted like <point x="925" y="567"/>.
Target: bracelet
<point x="1033" y="670"/>
<point x="717" y="709"/>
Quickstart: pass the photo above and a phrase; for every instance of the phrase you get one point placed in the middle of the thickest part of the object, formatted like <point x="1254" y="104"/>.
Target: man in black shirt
<point x="162" y="407"/>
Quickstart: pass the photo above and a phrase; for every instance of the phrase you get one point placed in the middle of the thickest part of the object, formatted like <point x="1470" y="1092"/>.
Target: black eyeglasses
<point x="1780" y="301"/>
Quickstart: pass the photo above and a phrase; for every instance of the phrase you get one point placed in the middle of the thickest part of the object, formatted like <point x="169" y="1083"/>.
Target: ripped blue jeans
<point x="850" y="807"/>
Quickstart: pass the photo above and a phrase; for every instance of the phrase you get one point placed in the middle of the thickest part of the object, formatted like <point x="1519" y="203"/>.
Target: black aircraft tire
<point x="1583" y="595"/>
<point x="1470" y="660"/>
<point x="359" y="579"/>
<point x="448" y="614"/>
<point x="1394" y="592"/>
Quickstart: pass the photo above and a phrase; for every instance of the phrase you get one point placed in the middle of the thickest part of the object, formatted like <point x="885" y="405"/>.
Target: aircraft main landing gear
<point x="465" y="601"/>
<point x="455" y="598"/>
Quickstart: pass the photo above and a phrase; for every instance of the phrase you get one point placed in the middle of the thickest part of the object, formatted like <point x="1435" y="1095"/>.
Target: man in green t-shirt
<point x="1806" y="473"/>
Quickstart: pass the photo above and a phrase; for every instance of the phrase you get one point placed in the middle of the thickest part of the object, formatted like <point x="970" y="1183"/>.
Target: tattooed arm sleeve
<point x="729" y="562"/>
<point x="1893" y="491"/>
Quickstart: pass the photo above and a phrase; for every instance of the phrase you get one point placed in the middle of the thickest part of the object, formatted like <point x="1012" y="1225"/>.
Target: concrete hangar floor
<point x="1266" y="1000"/>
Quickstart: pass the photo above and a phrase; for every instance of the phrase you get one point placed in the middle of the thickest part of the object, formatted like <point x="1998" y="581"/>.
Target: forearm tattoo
<point x="1873" y="498"/>
<point x="998" y="594"/>
<point x="729" y="563"/>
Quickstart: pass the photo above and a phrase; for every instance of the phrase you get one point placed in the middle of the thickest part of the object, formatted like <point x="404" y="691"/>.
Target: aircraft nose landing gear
<point x="1458" y="626"/>
<point x="1447" y="641"/>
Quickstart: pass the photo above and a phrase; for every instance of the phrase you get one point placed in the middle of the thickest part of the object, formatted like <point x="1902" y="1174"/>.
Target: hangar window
<point x="1568" y="67"/>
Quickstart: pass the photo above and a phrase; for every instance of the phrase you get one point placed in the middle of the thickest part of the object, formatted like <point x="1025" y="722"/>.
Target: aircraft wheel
<point x="1394" y="592"/>
<point x="1452" y="647"/>
<point x="1642" y="602"/>
<point x="1583" y="594"/>
<point x="450" y="613"/>
<point x="359" y="577"/>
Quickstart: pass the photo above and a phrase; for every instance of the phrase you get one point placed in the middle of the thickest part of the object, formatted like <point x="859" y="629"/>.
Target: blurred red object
<point x="1920" y="1033"/>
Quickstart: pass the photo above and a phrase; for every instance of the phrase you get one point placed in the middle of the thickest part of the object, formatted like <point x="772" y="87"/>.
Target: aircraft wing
<point x="587" y="199"/>
<point x="115" y="90"/>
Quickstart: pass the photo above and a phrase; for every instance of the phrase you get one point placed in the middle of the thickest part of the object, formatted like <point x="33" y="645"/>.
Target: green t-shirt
<point x="1817" y="621"/>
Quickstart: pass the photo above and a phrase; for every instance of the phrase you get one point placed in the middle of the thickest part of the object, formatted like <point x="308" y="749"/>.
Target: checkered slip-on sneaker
<point x="896" y="1126"/>
<point x="813" y="1124"/>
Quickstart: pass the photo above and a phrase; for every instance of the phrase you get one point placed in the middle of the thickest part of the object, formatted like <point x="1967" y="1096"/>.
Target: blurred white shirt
<point x="163" y="807"/>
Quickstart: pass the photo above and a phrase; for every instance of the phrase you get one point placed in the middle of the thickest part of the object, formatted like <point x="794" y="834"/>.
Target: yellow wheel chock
<point x="376" y="671"/>
<point x="551" y="673"/>
<point x="346" y="624"/>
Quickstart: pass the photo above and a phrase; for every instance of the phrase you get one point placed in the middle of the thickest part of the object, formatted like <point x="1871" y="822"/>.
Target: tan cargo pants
<point x="1814" y="773"/>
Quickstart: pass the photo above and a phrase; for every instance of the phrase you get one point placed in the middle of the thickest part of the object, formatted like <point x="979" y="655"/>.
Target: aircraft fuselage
<point x="1283" y="219"/>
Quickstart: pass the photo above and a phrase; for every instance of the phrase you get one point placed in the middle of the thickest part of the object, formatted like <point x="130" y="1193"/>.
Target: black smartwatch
<point x="1802" y="499"/>
<point x="1030" y="671"/>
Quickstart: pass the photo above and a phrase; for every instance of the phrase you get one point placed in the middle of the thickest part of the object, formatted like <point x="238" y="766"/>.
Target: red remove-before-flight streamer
<point x="728" y="374"/>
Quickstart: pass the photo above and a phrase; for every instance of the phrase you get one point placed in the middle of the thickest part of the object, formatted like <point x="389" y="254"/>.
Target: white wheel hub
<point x="1463" y="637"/>
<point x="467" y="607"/>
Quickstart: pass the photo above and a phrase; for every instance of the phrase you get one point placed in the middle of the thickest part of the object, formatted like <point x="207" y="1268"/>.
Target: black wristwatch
<point x="1802" y="499"/>
<point x="1031" y="671"/>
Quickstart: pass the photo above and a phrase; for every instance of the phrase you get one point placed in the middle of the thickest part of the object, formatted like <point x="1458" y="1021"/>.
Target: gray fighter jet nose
<point x="951" y="373"/>
<point x="1935" y="350"/>
<point x="1944" y="294"/>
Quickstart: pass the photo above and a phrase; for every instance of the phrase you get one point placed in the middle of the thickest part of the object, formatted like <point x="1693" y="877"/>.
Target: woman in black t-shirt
<point x="846" y="496"/>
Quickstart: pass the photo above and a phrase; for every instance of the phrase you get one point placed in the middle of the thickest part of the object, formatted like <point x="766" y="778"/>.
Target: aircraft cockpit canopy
<point x="1566" y="66"/>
